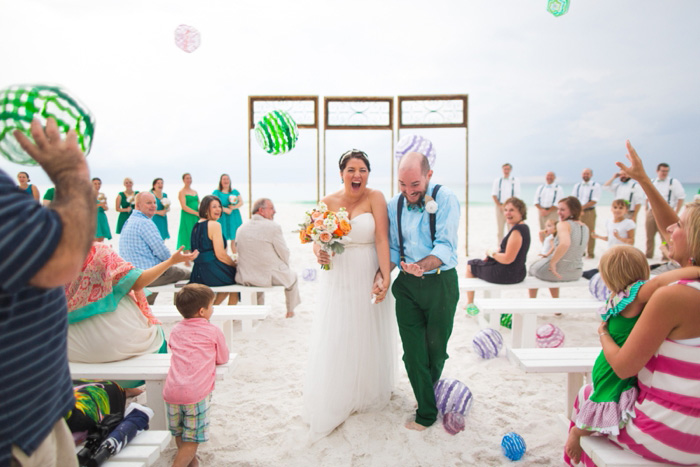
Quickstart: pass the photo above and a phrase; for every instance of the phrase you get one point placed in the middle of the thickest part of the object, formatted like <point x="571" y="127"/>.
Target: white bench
<point x="576" y="362"/>
<point x="249" y="294"/>
<point x="152" y="368"/>
<point x="525" y="311"/>
<point x="606" y="454"/>
<point x="490" y="290"/>
<point x="223" y="316"/>
<point x="144" y="450"/>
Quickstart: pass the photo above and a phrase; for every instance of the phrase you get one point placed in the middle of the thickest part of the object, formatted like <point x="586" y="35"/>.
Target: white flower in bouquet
<point x="342" y="215"/>
<point x="101" y="197"/>
<point x="130" y="198"/>
<point x="165" y="202"/>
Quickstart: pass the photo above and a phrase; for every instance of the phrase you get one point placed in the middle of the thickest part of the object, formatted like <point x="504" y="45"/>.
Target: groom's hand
<point x="412" y="268"/>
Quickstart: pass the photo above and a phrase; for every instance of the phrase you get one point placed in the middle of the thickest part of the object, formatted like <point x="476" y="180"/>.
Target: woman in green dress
<point x="231" y="203"/>
<point x="102" y="231"/>
<point x="162" y="207"/>
<point x="189" y="200"/>
<point x="125" y="203"/>
<point x="48" y="196"/>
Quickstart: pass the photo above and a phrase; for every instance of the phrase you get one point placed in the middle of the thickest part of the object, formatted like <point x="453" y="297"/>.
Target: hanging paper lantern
<point x="513" y="446"/>
<point x="309" y="274"/>
<point x="598" y="289"/>
<point x="20" y="104"/>
<point x="549" y="336"/>
<point x="558" y="7"/>
<point x="415" y="143"/>
<point x="187" y="38"/>
<point x="487" y="343"/>
<point x="277" y="132"/>
<point x="452" y="395"/>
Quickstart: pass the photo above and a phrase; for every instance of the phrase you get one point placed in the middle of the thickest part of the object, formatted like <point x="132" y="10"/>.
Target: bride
<point x="353" y="350"/>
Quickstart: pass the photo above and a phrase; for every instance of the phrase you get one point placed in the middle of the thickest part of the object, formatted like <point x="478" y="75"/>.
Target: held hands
<point x="412" y="268"/>
<point x="379" y="288"/>
<point x="180" y="257"/>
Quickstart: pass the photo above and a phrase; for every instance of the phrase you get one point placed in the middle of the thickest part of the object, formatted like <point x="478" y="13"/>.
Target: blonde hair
<point x="692" y="229"/>
<point x="621" y="266"/>
<point x="554" y="224"/>
<point x="621" y="202"/>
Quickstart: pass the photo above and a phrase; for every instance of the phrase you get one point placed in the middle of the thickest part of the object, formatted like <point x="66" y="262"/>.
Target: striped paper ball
<point x="597" y="288"/>
<point x="549" y="336"/>
<point x="309" y="274"/>
<point x="20" y="104"/>
<point x="415" y="143"/>
<point x="187" y="38"/>
<point x="452" y="395"/>
<point x="513" y="446"/>
<point x="507" y="320"/>
<point x="453" y="423"/>
<point x="487" y="343"/>
<point x="277" y="132"/>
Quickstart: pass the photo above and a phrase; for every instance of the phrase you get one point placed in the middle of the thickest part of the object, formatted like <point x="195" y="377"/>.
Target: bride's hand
<point x="323" y="257"/>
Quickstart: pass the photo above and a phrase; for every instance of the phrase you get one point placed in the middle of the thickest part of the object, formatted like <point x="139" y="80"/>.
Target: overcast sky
<point x="545" y="93"/>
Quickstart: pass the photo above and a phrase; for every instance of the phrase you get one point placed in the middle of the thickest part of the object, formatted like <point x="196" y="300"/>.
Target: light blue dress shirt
<point x="140" y="242"/>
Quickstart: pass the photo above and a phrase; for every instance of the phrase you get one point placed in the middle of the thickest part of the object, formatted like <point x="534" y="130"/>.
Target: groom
<point x="424" y="245"/>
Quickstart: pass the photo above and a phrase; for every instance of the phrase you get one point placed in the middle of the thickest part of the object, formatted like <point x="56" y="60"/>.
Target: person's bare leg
<point x="555" y="292"/>
<point x="233" y="298"/>
<point x="470" y="293"/>
<point x="133" y="392"/>
<point x="220" y="297"/>
<point x="412" y="425"/>
<point x="573" y="443"/>
<point x="186" y="453"/>
<point x="532" y="292"/>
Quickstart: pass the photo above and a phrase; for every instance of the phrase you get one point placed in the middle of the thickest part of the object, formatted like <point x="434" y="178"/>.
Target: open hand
<point x="636" y="169"/>
<point x="412" y="268"/>
<point x="180" y="257"/>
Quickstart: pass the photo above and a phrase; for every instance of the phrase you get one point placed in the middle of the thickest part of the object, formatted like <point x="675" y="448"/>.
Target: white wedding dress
<point x="353" y="351"/>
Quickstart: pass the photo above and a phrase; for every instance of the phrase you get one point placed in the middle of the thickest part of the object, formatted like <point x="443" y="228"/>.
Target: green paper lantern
<point x="558" y="7"/>
<point x="277" y="132"/>
<point x="507" y="320"/>
<point x="20" y="104"/>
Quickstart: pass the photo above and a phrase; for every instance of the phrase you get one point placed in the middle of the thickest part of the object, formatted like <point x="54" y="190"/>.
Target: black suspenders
<point x="399" y="208"/>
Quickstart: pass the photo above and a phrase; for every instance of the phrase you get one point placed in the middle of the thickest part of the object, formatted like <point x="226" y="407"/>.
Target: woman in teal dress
<point x="160" y="218"/>
<point x="102" y="231"/>
<point x="213" y="266"/>
<point x="24" y="185"/>
<point x="189" y="200"/>
<point x="125" y="203"/>
<point x="231" y="203"/>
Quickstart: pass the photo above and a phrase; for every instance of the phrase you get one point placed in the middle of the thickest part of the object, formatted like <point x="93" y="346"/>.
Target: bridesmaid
<point x="102" y="230"/>
<point x="24" y="185"/>
<point x="48" y="196"/>
<point x="162" y="207"/>
<point x="125" y="203"/>
<point x="213" y="266"/>
<point x="231" y="203"/>
<point x="189" y="201"/>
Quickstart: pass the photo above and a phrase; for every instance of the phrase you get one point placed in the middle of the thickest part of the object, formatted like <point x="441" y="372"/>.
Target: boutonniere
<point x="430" y="204"/>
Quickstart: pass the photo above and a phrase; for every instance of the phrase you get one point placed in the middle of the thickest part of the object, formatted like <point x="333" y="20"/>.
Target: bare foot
<point x="415" y="426"/>
<point x="133" y="392"/>
<point x="573" y="446"/>
<point x="290" y="314"/>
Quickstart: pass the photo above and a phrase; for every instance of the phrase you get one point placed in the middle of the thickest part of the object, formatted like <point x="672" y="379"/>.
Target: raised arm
<point x="73" y="200"/>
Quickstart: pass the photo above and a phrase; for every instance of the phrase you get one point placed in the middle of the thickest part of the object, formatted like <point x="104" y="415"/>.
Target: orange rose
<point x="309" y="230"/>
<point x="345" y="226"/>
<point x="304" y="237"/>
<point x="338" y="233"/>
<point x="325" y="236"/>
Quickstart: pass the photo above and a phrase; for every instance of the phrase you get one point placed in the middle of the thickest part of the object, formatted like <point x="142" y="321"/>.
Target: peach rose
<point x="316" y="215"/>
<point x="318" y="223"/>
<point x="325" y="236"/>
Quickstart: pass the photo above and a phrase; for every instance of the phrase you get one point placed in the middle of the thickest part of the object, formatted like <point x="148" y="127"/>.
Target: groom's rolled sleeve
<point x="446" y="228"/>
<point x="394" y="254"/>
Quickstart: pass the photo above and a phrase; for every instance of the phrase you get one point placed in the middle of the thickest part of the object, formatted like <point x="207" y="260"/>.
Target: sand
<point x="255" y="415"/>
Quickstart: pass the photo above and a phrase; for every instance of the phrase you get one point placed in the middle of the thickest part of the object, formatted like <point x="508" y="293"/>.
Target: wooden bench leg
<point x="573" y="385"/>
<point x="154" y="394"/>
<point x="523" y="331"/>
<point x="228" y="332"/>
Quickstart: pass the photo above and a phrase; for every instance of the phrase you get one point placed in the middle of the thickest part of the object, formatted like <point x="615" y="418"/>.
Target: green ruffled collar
<point x="618" y="302"/>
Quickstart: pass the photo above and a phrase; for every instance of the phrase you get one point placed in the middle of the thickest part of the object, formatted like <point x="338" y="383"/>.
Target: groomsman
<point x="588" y="193"/>
<point x="547" y="198"/>
<point x="623" y="187"/>
<point x="503" y="188"/>
<point x="424" y="246"/>
<point x="674" y="194"/>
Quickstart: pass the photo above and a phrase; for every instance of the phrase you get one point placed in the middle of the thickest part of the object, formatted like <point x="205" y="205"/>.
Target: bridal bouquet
<point x="326" y="228"/>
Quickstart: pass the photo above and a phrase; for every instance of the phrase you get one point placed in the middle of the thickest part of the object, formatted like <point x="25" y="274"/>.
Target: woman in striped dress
<point x="663" y="349"/>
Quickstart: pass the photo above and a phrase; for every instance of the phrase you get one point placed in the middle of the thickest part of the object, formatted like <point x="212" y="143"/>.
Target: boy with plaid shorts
<point x="197" y="346"/>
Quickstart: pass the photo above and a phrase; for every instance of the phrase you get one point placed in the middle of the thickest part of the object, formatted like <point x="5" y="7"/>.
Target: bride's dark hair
<point x="353" y="154"/>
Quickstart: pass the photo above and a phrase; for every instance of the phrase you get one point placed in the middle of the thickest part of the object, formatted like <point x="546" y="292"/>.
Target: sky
<point x="545" y="93"/>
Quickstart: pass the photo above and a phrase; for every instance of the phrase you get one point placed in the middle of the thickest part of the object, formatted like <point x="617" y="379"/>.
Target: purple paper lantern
<point x="598" y="289"/>
<point x="309" y="274"/>
<point x="487" y="343"/>
<point x="415" y="143"/>
<point x="453" y="423"/>
<point x="452" y="395"/>
<point x="549" y="336"/>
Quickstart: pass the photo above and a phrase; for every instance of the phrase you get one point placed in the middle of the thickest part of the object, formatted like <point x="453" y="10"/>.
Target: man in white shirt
<point x="674" y="194"/>
<point x="547" y="198"/>
<point x="623" y="187"/>
<point x="503" y="188"/>
<point x="588" y="193"/>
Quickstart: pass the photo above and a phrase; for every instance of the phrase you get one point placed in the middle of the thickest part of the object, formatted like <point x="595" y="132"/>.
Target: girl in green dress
<point x="189" y="200"/>
<point x="125" y="203"/>
<point x="162" y="207"/>
<point x="231" y="203"/>
<point x="625" y="271"/>
<point x="102" y="230"/>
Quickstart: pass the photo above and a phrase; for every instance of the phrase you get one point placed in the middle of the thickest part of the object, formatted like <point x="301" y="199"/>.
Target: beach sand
<point x="255" y="414"/>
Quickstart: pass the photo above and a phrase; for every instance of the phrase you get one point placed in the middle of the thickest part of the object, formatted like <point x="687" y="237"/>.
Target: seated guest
<point x="663" y="349"/>
<point x="213" y="267"/>
<point x="507" y="265"/>
<point x="263" y="256"/>
<point x="109" y="319"/>
<point x="565" y="264"/>
<point x="141" y="243"/>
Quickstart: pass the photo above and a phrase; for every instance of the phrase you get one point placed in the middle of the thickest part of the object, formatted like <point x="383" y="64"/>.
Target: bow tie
<point x="419" y="206"/>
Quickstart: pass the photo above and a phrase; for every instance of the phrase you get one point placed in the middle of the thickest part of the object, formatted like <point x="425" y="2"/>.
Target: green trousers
<point x="425" y="310"/>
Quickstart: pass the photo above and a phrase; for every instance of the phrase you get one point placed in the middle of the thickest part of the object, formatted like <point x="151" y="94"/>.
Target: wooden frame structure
<point x="331" y="123"/>
<point x="267" y="104"/>
<point x="438" y="111"/>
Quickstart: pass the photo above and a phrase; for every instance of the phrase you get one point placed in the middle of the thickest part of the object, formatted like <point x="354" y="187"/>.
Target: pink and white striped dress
<point x="666" y="427"/>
